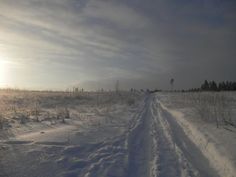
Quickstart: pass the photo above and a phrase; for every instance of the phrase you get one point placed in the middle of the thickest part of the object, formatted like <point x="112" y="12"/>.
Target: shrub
<point x="23" y="118"/>
<point x="63" y="113"/>
<point x="1" y="121"/>
<point x="213" y="107"/>
<point x="131" y="101"/>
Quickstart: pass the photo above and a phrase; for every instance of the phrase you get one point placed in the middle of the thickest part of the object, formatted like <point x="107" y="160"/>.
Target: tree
<point x="220" y="86"/>
<point x="205" y="86"/>
<point x="117" y="86"/>
<point x="213" y="86"/>
<point x="223" y="85"/>
<point x="234" y="86"/>
<point x="172" y="83"/>
<point x="227" y="87"/>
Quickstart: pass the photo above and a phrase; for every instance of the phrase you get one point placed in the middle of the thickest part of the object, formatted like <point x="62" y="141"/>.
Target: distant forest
<point x="213" y="86"/>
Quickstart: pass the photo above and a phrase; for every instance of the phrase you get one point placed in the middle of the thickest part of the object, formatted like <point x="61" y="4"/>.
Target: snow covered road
<point x="158" y="147"/>
<point x="153" y="145"/>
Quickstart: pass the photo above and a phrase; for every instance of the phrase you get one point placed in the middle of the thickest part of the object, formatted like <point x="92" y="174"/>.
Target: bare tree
<point x="117" y="86"/>
<point x="36" y="111"/>
<point x="172" y="83"/>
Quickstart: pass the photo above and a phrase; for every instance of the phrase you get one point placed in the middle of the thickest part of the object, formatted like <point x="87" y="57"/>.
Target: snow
<point x="217" y="144"/>
<point x="108" y="134"/>
<point x="92" y="142"/>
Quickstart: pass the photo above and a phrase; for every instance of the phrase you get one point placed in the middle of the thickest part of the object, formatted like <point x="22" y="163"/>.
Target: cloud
<point x="143" y="41"/>
<point x="116" y="14"/>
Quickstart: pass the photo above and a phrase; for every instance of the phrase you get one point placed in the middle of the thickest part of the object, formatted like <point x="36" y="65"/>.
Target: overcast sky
<point x="56" y="44"/>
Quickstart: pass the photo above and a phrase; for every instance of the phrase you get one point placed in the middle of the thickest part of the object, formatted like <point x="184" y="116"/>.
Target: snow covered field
<point x="197" y="114"/>
<point x="108" y="134"/>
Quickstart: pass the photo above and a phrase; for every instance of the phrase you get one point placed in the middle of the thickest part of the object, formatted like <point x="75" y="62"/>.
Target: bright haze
<point x="56" y="44"/>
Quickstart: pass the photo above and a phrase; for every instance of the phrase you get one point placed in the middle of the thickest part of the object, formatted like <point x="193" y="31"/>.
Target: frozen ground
<point x="218" y="144"/>
<point x="104" y="135"/>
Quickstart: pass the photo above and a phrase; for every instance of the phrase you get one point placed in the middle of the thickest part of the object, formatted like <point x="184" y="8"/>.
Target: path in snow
<point x="153" y="146"/>
<point x="158" y="147"/>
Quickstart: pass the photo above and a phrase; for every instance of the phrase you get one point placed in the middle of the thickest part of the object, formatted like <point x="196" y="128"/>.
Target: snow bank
<point x="220" y="156"/>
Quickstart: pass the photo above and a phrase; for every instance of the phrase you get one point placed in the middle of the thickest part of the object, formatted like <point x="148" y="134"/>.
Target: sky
<point x="59" y="44"/>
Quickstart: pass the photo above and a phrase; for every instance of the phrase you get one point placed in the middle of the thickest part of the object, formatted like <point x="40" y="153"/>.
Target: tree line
<point x="214" y="86"/>
<point x="221" y="86"/>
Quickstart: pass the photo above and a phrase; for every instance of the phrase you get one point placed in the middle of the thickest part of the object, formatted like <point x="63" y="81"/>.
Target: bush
<point x="213" y="107"/>
<point x="1" y="121"/>
<point x="36" y="111"/>
<point x="63" y="113"/>
<point x="23" y="118"/>
<point x="131" y="101"/>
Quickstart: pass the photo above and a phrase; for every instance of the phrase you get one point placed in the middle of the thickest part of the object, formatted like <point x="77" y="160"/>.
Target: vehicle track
<point x="153" y="146"/>
<point x="158" y="147"/>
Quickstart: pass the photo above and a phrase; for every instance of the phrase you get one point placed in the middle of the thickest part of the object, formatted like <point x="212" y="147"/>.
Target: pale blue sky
<point x="56" y="44"/>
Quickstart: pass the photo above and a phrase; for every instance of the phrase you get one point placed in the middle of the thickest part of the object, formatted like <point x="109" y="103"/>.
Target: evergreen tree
<point x="221" y="86"/>
<point x="213" y="86"/>
<point x="227" y="85"/>
<point x="205" y="86"/>
<point x="234" y="86"/>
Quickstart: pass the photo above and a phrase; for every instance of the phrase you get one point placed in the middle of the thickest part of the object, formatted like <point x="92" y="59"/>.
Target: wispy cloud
<point x="94" y="40"/>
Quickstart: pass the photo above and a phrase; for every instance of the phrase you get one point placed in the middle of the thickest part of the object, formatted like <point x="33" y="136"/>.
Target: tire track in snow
<point x="158" y="147"/>
<point x="154" y="146"/>
<point x="171" y="161"/>
<point x="190" y="157"/>
<point x="167" y="160"/>
<point x="150" y="152"/>
<point x="139" y="145"/>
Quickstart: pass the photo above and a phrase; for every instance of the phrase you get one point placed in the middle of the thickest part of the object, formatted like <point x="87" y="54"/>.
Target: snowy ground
<point x="105" y="135"/>
<point x="216" y="143"/>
